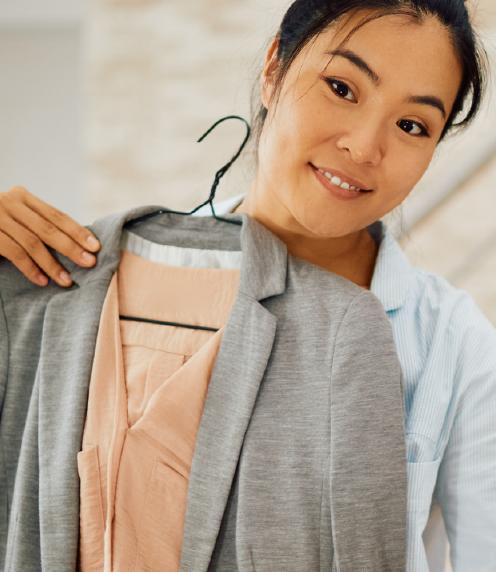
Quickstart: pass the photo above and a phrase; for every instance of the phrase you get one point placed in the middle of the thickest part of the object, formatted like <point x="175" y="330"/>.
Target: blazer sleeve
<point x="466" y="487"/>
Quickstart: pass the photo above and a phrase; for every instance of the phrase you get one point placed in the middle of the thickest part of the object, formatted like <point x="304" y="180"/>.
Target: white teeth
<point x="337" y="181"/>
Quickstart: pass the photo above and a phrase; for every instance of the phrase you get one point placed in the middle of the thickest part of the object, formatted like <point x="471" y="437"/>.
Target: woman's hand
<point x="27" y="224"/>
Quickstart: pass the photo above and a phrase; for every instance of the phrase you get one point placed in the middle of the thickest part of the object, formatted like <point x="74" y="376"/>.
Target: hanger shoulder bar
<point x="177" y="324"/>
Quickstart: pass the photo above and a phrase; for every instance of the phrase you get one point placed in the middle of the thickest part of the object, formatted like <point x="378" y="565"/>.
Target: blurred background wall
<point x="102" y="103"/>
<point x="41" y="112"/>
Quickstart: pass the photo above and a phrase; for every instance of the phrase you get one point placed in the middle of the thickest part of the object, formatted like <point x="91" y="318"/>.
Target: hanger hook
<point x="222" y="171"/>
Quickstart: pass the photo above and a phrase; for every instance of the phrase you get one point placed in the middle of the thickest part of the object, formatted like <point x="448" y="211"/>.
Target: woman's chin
<point x="316" y="227"/>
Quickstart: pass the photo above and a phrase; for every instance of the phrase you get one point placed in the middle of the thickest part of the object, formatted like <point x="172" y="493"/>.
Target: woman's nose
<point x="364" y="145"/>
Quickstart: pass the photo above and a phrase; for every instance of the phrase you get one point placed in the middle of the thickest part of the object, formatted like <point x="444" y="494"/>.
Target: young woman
<point x="356" y="96"/>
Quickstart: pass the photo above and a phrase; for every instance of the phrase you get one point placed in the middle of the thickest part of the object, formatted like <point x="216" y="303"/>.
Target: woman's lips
<point x="344" y="177"/>
<point x="336" y="191"/>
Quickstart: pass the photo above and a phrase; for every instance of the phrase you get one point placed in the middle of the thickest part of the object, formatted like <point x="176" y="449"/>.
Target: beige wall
<point x="159" y="73"/>
<point x="40" y="111"/>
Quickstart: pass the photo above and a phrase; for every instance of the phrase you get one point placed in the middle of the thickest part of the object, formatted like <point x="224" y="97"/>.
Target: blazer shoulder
<point x="327" y="288"/>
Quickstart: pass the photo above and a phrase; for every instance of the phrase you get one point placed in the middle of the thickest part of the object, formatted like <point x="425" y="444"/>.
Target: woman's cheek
<point x="390" y="201"/>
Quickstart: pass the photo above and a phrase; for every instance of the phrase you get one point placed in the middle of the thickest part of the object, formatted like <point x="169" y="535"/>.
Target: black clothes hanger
<point x="218" y="176"/>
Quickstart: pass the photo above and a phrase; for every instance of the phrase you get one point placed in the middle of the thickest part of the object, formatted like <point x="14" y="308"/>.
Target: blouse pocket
<point x="160" y="532"/>
<point x="91" y="515"/>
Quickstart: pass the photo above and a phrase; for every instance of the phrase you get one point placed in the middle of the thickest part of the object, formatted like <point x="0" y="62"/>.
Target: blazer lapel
<point x="67" y="349"/>
<point x="240" y="366"/>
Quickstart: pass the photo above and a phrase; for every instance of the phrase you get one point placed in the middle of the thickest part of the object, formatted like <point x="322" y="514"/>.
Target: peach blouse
<point x="147" y="389"/>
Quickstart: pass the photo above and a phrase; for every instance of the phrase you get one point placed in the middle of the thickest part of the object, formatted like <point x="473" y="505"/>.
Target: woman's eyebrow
<point x="363" y="66"/>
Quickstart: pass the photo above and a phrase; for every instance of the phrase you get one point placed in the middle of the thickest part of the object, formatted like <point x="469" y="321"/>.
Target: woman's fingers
<point x="29" y="254"/>
<point x="79" y="234"/>
<point x="51" y="235"/>
<point x="27" y="224"/>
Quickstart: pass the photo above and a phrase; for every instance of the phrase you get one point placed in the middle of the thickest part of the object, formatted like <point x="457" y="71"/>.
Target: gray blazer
<point x="300" y="460"/>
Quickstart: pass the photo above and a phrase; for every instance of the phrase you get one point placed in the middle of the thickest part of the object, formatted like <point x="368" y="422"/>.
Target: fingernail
<point x="42" y="280"/>
<point x="65" y="278"/>
<point x="87" y="257"/>
<point x="92" y="242"/>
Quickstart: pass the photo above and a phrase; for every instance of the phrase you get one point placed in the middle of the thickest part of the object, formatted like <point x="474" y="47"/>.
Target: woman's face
<point x="334" y="115"/>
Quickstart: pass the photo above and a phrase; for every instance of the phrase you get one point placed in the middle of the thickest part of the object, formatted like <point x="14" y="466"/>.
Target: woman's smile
<point x="334" y="189"/>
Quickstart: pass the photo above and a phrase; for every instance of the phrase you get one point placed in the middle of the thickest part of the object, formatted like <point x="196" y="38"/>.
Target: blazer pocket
<point x="91" y="515"/>
<point x="160" y="533"/>
<point x="421" y="482"/>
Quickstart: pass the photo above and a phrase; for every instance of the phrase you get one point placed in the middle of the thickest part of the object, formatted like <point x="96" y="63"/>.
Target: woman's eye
<point x="342" y="87"/>
<point x="342" y="90"/>
<point x="423" y="130"/>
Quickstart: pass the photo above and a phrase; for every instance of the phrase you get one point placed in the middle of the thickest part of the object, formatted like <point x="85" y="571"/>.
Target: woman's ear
<point x="267" y="81"/>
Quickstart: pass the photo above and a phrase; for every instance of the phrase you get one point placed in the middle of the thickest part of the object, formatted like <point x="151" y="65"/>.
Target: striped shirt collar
<point x="393" y="273"/>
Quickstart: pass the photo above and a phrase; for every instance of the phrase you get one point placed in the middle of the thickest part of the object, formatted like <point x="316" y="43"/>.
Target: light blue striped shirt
<point x="447" y="349"/>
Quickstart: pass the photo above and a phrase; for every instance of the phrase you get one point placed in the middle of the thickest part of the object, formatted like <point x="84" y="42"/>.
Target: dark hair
<point x="306" y="19"/>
